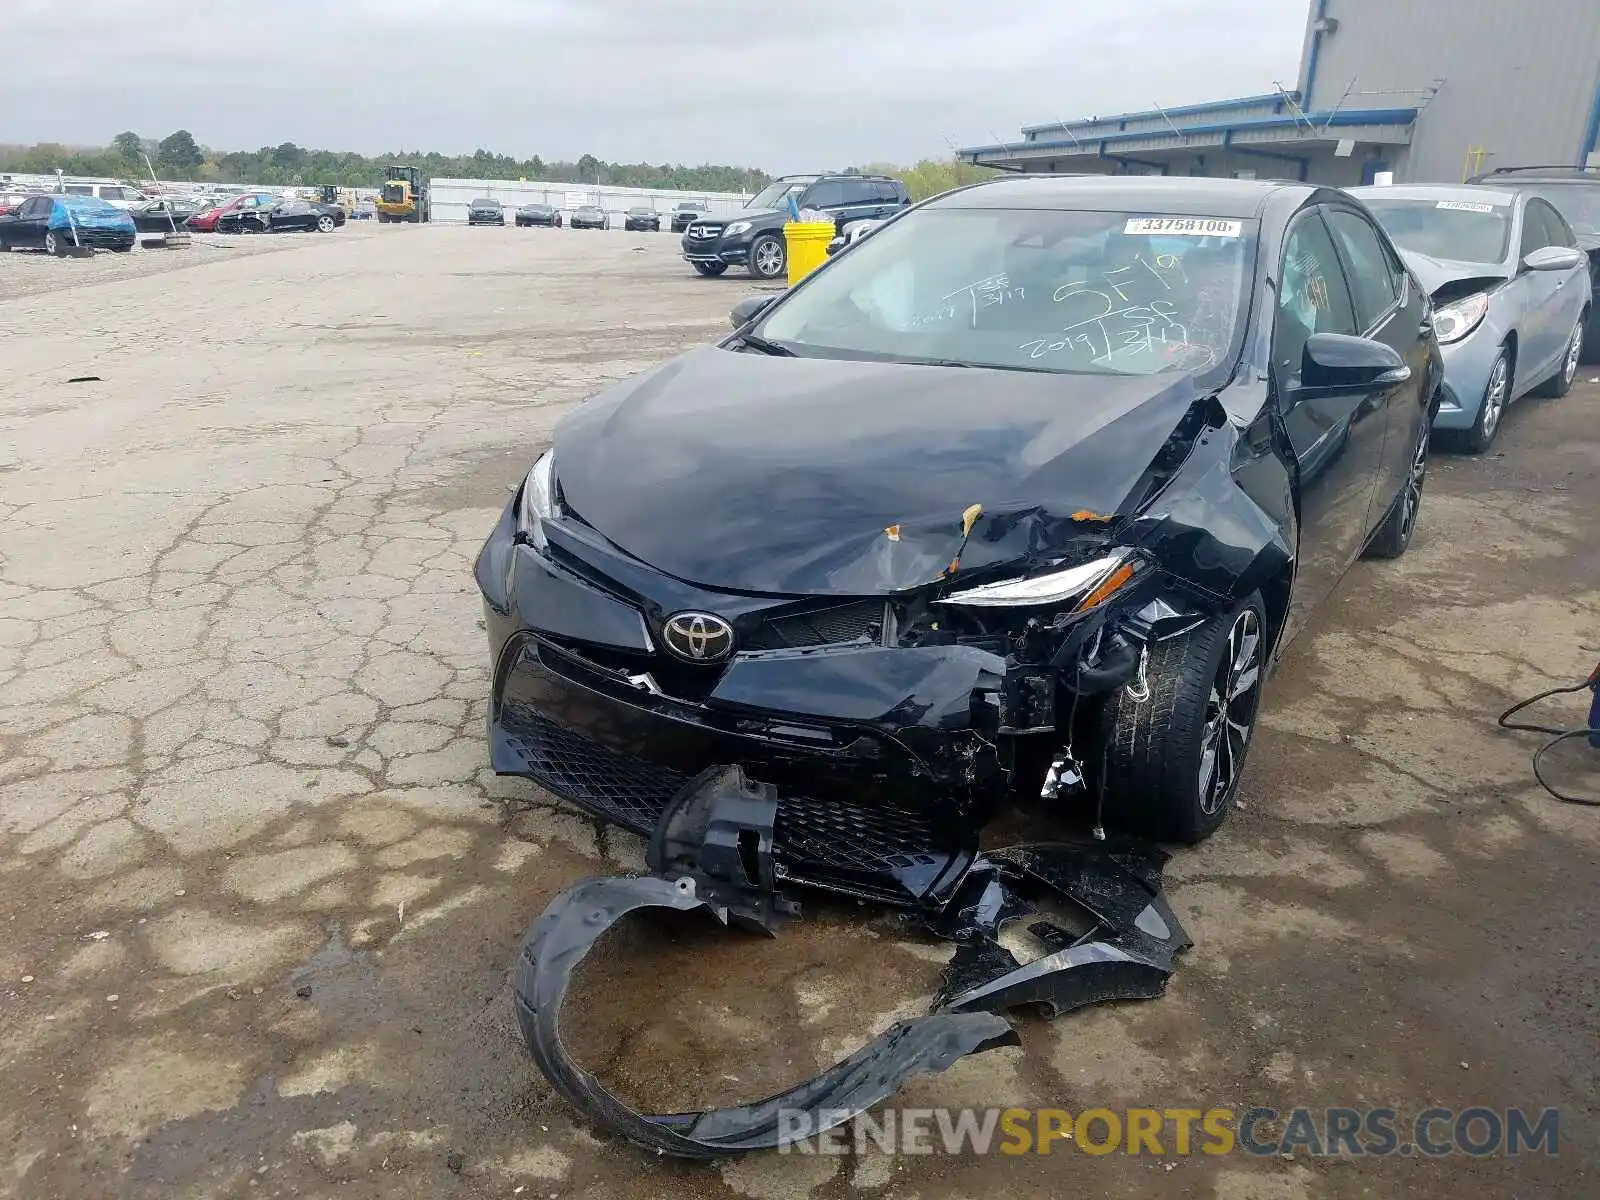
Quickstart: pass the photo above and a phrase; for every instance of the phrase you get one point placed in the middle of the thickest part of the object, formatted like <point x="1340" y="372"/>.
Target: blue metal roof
<point x="1343" y="118"/>
<point x="1182" y="110"/>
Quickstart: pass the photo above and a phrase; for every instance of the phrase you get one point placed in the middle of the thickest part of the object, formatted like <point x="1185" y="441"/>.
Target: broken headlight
<point x="1088" y="585"/>
<point x="538" y="498"/>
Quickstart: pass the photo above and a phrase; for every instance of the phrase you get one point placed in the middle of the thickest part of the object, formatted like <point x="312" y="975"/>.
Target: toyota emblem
<point x="698" y="637"/>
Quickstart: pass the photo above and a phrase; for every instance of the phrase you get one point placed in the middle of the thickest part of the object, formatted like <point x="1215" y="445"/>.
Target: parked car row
<point x="60" y="223"/>
<point x="488" y="211"/>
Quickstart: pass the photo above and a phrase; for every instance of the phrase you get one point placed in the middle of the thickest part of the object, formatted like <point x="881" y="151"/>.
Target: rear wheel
<point x="711" y="268"/>
<point x="1173" y="759"/>
<point x="325" y="224"/>
<point x="1496" y="395"/>
<point x="55" y="244"/>
<point x="1560" y="383"/>
<point x="768" y="258"/>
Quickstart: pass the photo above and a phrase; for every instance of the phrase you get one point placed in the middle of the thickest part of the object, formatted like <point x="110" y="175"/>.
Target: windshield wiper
<point x="756" y="342"/>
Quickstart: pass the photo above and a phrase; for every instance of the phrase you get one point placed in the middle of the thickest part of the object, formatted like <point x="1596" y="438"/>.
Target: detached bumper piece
<point x="1109" y="935"/>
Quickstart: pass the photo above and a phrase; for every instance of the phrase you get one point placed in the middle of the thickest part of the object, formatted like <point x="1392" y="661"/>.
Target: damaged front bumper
<point x="890" y="759"/>
<point x="1107" y="934"/>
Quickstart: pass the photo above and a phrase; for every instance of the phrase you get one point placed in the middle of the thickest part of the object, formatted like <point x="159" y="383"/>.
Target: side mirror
<point x="748" y="310"/>
<point x="1337" y="362"/>
<point x="1554" y="258"/>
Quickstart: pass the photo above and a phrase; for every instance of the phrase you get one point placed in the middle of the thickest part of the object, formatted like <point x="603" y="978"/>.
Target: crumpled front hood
<point x="799" y="476"/>
<point x="1433" y="273"/>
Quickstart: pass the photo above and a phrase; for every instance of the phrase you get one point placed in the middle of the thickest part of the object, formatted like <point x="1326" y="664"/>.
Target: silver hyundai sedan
<point x="1510" y="292"/>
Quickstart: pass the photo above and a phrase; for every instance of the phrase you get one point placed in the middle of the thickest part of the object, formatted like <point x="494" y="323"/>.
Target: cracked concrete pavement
<point x="260" y="892"/>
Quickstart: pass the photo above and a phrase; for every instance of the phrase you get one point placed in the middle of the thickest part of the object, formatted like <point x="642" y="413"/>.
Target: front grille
<point x="705" y="233"/>
<point x="98" y="237"/>
<point x="615" y="786"/>
<point x="880" y="848"/>
<point x="839" y="623"/>
<point x="852" y="837"/>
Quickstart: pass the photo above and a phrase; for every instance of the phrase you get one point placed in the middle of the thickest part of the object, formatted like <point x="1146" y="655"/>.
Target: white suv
<point x="118" y="194"/>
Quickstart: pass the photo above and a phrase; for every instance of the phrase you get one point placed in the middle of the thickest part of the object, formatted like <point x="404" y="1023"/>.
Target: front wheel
<point x="1496" y="395"/>
<point x="712" y="269"/>
<point x="1173" y="758"/>
<point x="1560" y="383"/>
<point x="768" y="258"/>
<point x="325" y="224"/>
<point x="55" y="244"/>
<point x="1394" y="535"/>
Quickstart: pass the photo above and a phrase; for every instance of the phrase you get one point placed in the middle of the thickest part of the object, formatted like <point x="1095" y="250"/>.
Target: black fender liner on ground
<point x="563" y="936"/>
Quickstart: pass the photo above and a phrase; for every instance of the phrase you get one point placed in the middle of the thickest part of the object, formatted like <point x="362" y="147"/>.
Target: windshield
<point x="774" y="194"/>
<point x="486" y="203"/>
<point x="1101" y="293"/>
<point x="640" y="212"/>
<point x="1579" y="203"/>
<point x="1463" y="230"/>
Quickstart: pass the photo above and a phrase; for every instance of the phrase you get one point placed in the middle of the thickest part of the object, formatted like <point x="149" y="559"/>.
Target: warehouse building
<point x="1416" y="90"/>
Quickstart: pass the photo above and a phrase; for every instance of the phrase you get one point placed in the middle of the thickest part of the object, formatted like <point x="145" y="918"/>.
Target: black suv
<point x="753" y="236"/>
<point x="1575" y="194"/>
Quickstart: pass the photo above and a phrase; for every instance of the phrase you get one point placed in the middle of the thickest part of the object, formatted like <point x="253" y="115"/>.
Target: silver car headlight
<point x="1453" y="322"/>
<point x="538" y="498"/>
<point x="1091" y="584"/>
<point x="736" y="228"/>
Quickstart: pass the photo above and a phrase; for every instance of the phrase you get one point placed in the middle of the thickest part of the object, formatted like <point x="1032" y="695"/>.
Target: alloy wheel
<point x="1494" y="396"/>
<point x="1411" y="499"/>
<point x="325" y="224"/>
<point x="769" y="259"/>
<point x="1574" y="353"/>
<point x="1230" y="712"/>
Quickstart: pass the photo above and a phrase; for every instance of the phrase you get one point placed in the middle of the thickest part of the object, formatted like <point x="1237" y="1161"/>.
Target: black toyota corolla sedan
<point x="1022" y="496"/>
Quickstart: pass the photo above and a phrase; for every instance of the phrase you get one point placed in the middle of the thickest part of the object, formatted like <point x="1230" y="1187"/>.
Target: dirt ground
<point x="260" y="893"/>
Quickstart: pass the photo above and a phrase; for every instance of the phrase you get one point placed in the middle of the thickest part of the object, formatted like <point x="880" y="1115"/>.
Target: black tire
<point x="55" y="244"/>
<point x="769" y="257"/>
<point x="1559" y="384"/>
<point x="1155" y="749"/>
<point x="1491" y="412"/>
<point x="1394" y="535"/>
<point x="121" y="249"/>
<point x="326" y="224"/>
<point x="712" y="269"/>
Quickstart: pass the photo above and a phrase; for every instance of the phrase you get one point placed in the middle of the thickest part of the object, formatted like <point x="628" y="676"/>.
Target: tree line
<point x="179" y="157"/>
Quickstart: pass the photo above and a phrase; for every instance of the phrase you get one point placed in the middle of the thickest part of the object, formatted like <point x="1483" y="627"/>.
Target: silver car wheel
<point x="324" y="224"/>
<point x="1574" y="353"/>
<point x="1494" y="396"/>
<point x="769" y="259"/>
<point x="1230" y="712"/>
<point x="1412" y="497"/>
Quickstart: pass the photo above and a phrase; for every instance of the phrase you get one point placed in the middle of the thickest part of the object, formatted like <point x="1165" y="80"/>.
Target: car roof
<point x="1502" y="175"/>
<point x="1143" y="193"/>
<point x="1436" y="191"/>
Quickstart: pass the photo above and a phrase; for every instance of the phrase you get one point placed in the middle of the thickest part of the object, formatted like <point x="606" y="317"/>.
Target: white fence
<point x="449" y="198"/>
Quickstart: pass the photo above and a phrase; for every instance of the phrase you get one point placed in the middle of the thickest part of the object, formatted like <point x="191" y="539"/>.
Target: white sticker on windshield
<point x="1466" y="206"/>
<point x="1185" y="226"/>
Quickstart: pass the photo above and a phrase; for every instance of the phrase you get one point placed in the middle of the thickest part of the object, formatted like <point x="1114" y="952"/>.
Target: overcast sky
<point x="811" y="84"/>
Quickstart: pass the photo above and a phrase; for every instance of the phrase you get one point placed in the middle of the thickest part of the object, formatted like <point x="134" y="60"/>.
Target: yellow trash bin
<point x="807" y="243"/>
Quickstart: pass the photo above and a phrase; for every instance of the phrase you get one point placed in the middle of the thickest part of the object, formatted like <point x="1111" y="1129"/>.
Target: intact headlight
<point x="538" y="498"/>
<point x="1453" y="322"/>
<point x="1091" y="585"/>
<point x="736" y="228"/>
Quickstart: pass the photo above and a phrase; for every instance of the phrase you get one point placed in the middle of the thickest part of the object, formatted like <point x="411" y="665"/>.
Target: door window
<point x="827" y="194"/>
<point x="1312" y="294"/>
<point x="1374" y="286"/>
<point x="113" y="193"/>
<point x="1551" y="229"/>
<point x="33" y="209"/>
<point x="1535" y="233"/>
